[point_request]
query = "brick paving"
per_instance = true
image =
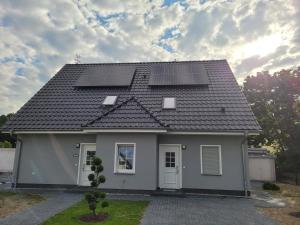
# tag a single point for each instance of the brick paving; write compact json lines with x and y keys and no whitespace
{"x":203,"y":211}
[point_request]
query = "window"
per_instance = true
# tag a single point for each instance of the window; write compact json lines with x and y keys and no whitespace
{"x":89,"y":157}
{"x":211,"y":159}
{"x":169,"y":103}
{"x":170,"y":159}
{"x":125,"y":158}
{"x":110,"y":100}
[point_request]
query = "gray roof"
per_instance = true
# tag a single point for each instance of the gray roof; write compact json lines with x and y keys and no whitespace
{"x":128,"y":114}
{"x":59,"y":105}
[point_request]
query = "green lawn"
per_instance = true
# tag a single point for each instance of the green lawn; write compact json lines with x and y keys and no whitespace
{"x":119,"y":211}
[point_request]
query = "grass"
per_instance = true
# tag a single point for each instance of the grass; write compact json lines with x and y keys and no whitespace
{"x":11,"y":202}
{"x":119,"y":211}
{"x":291,"y":194}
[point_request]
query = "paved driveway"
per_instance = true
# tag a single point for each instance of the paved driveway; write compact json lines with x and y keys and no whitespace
{"x":203,"y":211}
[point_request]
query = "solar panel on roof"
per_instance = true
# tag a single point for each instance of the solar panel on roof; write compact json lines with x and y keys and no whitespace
{"x":106,"y":76}
{"x":178,"y":74}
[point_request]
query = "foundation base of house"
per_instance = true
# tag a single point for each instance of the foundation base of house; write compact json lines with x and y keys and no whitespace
{"x":184,"y":192}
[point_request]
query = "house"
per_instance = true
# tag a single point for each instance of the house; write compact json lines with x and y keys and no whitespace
{"x":261,"y":165}
{"x":156,"y":125}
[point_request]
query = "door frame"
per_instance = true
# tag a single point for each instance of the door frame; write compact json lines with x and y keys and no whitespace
{"x":179,"y":184}
{"x":79,"y":160}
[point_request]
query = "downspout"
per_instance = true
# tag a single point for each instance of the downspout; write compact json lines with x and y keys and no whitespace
{"x":17,"y":161}
{"x":245,"y":174}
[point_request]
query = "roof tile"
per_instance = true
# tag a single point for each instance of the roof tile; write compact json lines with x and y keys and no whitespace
{"x":61,"y":106}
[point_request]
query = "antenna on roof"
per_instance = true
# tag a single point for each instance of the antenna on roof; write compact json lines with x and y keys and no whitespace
{"x":175,"y":60}
{"x":77,"y":59}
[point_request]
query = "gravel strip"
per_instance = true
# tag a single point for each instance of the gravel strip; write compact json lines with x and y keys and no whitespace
{"x":56,"y":202}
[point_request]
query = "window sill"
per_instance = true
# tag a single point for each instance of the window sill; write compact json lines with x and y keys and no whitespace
{"x":124,"y":172}
{"x":206,"y":174}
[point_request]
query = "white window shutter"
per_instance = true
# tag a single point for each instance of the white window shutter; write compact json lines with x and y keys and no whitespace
{"x":211,"y":160}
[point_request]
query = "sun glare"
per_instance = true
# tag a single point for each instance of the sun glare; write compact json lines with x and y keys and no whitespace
{"x":262,"y":46}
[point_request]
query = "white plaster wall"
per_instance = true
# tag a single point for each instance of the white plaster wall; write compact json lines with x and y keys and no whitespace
{"x":262,"y":169}
{"x":7,"y":156}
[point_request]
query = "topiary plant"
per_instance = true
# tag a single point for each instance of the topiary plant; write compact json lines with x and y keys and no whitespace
{"x":95,"y":195}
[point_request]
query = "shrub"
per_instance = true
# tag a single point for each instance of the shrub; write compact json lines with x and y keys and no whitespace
{"x":271,"y":186}
{"x":5,"y":144}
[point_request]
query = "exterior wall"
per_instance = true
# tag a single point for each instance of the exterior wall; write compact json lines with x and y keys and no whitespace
{"x":49,"y":158}
{"x":262,"y":169}
{"x":145,"y":177}
{"x":232,"y":177}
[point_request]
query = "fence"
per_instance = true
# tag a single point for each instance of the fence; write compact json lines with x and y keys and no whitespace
{"x":7,"y":156}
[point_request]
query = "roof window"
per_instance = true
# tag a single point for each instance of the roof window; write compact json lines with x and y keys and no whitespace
{"x":110,"y":100}
{"x":169,"y":103}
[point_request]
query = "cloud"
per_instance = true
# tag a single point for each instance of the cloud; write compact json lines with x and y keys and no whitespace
{"x":256,"y":23}
{"x":274,"y":60}
{"x":38,"y":37}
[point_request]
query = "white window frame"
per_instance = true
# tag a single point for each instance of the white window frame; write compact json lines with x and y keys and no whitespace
{"x":124,"y":171}
{"x":220,"y":161}
{"x":165,"y":98}
{"x":110,"y":96}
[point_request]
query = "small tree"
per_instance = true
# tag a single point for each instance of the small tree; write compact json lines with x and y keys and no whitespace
{"x":94,"y":196}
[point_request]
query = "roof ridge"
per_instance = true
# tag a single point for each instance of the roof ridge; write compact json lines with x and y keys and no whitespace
{"x":123,"y":103}
{"x":150,"y":62}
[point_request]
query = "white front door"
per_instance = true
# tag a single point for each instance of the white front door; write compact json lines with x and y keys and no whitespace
{"x":88,"y":151}
{"x":170,"y":166}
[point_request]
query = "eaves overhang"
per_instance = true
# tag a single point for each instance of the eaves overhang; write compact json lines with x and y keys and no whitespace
{"x":162,"y":131}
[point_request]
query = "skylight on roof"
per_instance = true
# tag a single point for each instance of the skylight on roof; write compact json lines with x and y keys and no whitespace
{"x":169,"y":103}
{"x":110,"y":100}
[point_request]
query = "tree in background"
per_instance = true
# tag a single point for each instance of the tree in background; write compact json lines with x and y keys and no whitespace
{"x":4,"y":118}
{"x":275,"y":100}
{"x":4,"y":138}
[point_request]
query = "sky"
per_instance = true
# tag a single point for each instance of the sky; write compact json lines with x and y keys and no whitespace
{"x":38,"y":37}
